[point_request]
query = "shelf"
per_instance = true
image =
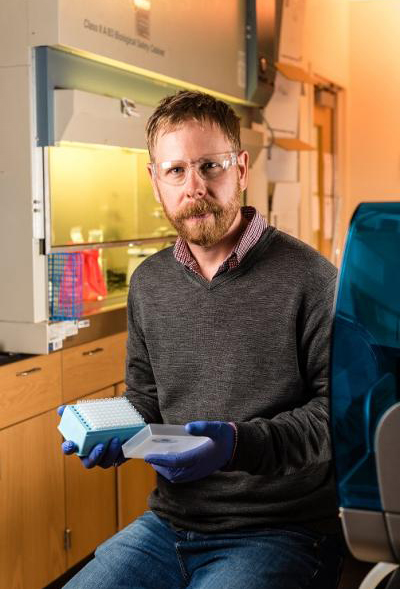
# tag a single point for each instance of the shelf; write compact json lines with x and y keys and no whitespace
{"x":297,"y":74}
{"x":292,"y":144}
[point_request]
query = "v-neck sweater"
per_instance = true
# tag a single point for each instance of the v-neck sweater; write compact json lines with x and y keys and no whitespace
{"x":250,"y":347}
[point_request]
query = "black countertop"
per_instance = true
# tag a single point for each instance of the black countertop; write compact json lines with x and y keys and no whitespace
{"x":9,"y":357}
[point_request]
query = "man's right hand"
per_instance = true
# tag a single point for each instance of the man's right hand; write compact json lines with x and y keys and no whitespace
{"x":103,"y":455}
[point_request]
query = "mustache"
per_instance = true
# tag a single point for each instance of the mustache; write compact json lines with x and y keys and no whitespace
{"x":200,"y":207}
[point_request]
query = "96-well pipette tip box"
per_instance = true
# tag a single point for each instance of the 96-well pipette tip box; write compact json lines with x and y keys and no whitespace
{"x":90,"y":422}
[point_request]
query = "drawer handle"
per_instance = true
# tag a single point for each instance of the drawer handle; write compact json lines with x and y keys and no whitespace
{"x":92,"y":352}
{"x":28,"y":372}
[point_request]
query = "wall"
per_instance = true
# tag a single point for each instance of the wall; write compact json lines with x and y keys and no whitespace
{"x":326,"y":39}
{"x":325,"y":54}
{"x":356,"y":44}
{"x":374,"y":113}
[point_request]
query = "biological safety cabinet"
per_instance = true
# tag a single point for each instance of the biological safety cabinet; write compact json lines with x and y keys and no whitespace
{"x":78,"y":80}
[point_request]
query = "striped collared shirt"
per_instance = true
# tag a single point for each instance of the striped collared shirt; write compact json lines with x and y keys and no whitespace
{"x":247,"y":240}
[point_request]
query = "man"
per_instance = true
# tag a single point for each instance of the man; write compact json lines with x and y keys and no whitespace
{"x":228,"y":334}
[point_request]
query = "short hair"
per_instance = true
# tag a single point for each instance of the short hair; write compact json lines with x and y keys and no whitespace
{"x":188,"y":105}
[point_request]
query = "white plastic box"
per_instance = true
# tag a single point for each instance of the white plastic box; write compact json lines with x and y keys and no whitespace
{"x":158,"y":438}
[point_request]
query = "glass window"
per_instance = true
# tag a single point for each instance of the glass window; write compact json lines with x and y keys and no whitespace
{"x":94,"y":280}
{"x":102,"y":193}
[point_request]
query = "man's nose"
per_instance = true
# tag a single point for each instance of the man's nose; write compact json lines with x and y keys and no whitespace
{"x":195,"y":187}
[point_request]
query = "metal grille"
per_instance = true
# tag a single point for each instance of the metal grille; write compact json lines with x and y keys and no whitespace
{"x":65,"y":271}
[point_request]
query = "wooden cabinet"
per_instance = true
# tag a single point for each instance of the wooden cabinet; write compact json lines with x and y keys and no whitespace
{"x":94,"y":366}
{"x":53,"y":511}
{"x":31,"y":503}
{"x":91,"y":511}
{"x":136,"y":480}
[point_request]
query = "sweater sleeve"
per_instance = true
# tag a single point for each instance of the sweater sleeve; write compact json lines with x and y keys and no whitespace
{"x":297,"y":439}
{"x":141,"y":386}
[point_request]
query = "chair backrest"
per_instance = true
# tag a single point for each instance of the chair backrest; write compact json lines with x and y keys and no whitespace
{"x":381,"y":396}
{"x":365,"y":383}
{"x":365,"y":353}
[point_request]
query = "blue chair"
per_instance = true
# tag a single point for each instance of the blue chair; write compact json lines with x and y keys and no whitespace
{"x":365,"y":390}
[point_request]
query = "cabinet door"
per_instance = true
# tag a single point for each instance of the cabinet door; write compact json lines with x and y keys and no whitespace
{"x":31,"y":504}
{"x":136,"y":480}
{"x":93,"y":366}
{"x":90,"y":503}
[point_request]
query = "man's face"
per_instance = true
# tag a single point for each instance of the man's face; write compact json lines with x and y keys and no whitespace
{"x":201,"y":210}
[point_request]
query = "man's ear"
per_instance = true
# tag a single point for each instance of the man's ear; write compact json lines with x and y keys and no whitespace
{"x":243,"y":168}
{"x":153,"y":183}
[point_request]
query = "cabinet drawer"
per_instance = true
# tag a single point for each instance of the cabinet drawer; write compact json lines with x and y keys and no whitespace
{"x":93,"y":366}
{"x":29,"y":387}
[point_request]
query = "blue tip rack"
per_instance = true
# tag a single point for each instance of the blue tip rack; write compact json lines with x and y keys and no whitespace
{"x":91,"y":422}
{"x":65,"y":273}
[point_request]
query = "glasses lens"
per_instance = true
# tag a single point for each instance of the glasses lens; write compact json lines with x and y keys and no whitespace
{"x":208,"y":168}
{"x":213,"y":167}
{"x":172,"y":172}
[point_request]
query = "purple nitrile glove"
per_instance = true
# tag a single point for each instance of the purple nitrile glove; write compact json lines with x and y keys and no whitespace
{"x":200,"y":462}
{"x":103,"y":455}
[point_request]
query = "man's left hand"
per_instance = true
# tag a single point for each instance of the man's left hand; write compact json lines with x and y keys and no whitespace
{"x":202,"y":461}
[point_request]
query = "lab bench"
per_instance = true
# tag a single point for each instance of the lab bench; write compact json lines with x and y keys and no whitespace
{"x":53,"y":511}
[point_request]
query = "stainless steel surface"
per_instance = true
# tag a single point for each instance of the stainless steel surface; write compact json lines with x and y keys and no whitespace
{"x":100,"y":325}
{"x":170,"y":239}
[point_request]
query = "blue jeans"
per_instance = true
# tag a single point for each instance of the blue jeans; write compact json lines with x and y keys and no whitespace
{"x":150,"y":554}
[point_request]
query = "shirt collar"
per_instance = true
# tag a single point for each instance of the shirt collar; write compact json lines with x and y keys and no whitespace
{"x":248,"y":239}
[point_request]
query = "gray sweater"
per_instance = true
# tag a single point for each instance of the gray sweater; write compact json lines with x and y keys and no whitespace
{"x":252,"y":347}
